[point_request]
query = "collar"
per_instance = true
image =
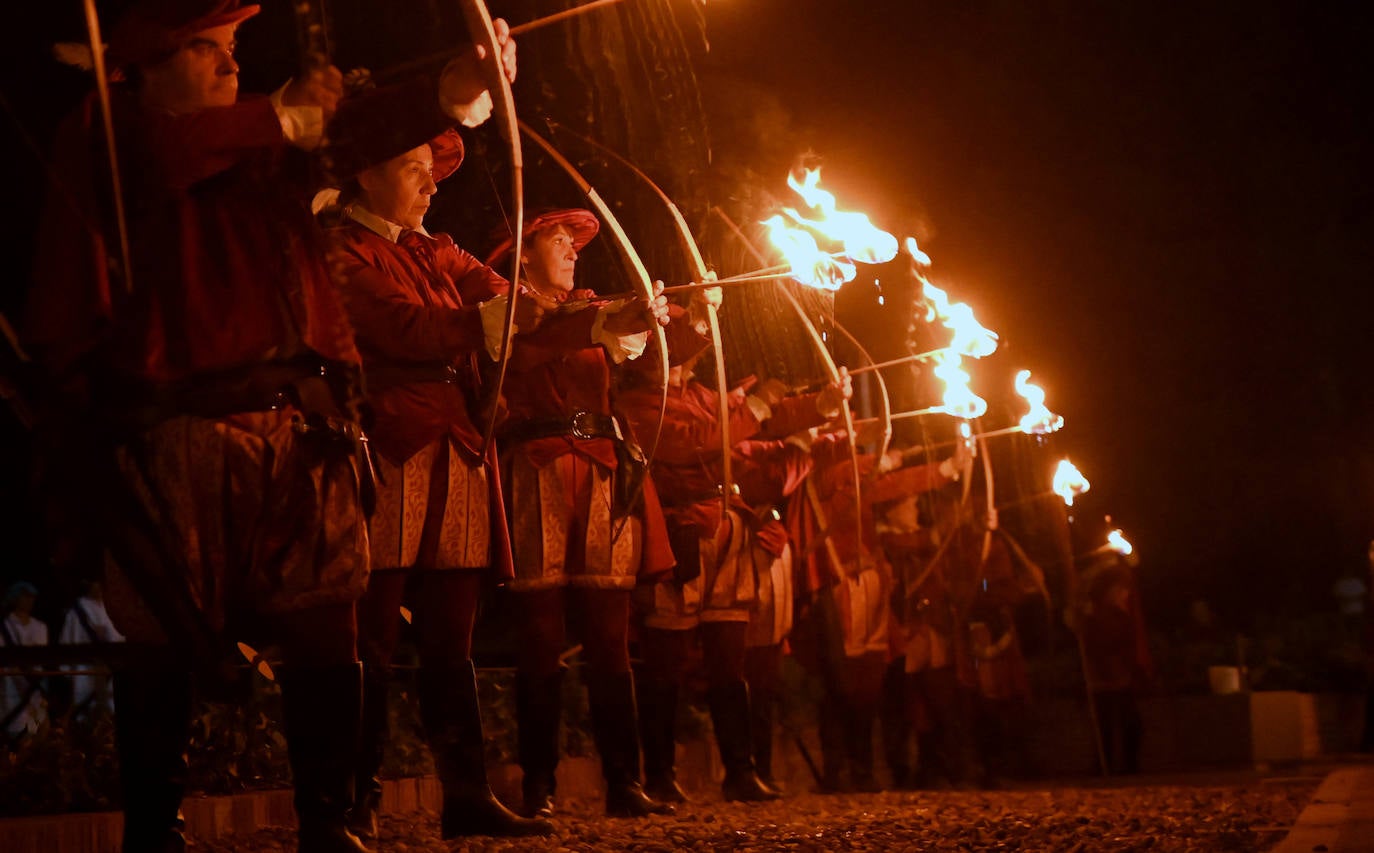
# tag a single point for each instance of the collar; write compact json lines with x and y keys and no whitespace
{"x":377,"y":225}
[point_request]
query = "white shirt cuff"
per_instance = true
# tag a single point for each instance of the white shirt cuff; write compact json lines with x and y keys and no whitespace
{"x":761,"y":410}
{"x":468,"y":115}
{"x":620,"y":348}
{"x":493,"y":314}
{"x":302,"y":126}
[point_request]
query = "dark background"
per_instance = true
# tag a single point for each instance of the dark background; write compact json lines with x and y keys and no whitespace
{"x":1164,"y":209}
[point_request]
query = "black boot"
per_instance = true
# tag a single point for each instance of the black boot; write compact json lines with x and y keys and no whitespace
{"x":615,"y":727}
{"x":859,"y":748}
{"x":761,"y":707}
{"x":730,"y":718}
{"x":152,"y":728}
{"x":657,"y":732}
{"x":452,"y":717}
{"x":831,"y":731}
{"x":367,"y":786}
{"x":538,"y":712}
{"x":322,"y":707}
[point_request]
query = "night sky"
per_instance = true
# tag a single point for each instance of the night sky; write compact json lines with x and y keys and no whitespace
{"x":1164,"y":209}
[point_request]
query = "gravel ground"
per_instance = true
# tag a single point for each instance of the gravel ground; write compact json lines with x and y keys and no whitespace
{"x":1169,"y":818}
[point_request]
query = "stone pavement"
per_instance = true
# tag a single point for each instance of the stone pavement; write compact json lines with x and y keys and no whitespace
{"x":1340,"y":818}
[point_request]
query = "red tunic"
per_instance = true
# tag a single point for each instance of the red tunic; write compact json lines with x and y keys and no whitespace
{"x":415,"y":301}
{"x":227,"y":263}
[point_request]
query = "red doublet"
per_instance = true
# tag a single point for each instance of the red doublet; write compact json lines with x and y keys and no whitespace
{"x":415,"y":302}
{"x":227,"y":267}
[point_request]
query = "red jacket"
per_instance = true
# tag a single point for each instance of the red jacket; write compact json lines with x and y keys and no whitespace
{"x":415,"y":301}
{"x":227,"y":262}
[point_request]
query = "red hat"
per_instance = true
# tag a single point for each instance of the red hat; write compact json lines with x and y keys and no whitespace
{"x":152,"y":30}
{"x":580,"y":223}
{"x":374,"y":126}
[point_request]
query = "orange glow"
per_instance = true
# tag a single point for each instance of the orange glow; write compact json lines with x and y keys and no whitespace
{"x":810,"y":265}
{"x":1069,"y":483}
{"x":1117,"y":542}
{"x":958,"y":399}
{"x":921,"y":258}
{"x":862,"y":240}
{"x":971,"y":338}
{"x":1039,"y":420}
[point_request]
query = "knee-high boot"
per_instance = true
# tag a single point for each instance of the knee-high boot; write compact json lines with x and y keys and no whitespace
{"x":762,"y":706}
{"x":859,"y":747}
{"x":452,"y":716}
{"x":730,"y":718}
{"x":367,"y":785}
{"x":322,"y":706}
{"x":658,"y":731}
{"x":615,"y":727}
{"x":152,"y":727}
{"x":538,"y":712}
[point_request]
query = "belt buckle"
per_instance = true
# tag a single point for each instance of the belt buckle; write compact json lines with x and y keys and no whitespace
{"x":578,"y":430}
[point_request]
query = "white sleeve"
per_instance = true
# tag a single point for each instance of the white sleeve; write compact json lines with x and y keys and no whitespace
{"x":468,"y":115}
{"x":621,"y":348}
{"x":303,"y":127}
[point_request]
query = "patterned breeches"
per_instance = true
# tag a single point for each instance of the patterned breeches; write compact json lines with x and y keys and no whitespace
{"x":725,"y":589}
{"x":432,"y":512}
{"x":255,"y":517}
{"x":563,"y":531}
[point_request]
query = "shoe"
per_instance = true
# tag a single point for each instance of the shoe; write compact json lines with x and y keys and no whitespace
{"x":538,"y":712}
{"x":615,"y":728}
{"x":729,"y":705}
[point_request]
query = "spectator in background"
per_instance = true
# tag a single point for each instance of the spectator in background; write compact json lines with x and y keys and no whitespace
{"x":88,"y":623}
{"x":1118,"y":665}
{"x":23,"y":707}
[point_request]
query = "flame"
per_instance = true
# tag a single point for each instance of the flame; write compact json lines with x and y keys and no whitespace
{"x":810,"y":265}
{"x":921,"y":258}
{"x":1117,"y":542}
{"x":971,"y":338}
{"x":958,"y":399}
{"x":1069,"y":483}
{"x":1039,"y":420}
{"x":863,"y":241}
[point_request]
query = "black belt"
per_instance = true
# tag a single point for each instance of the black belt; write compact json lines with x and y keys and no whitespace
{"x":257,"y":388}
{"x":383,"y":376}
{"x":578,"y":425}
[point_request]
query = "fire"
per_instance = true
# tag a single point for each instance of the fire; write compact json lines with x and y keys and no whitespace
{"x":921,"y":258}
{"x":862,"y":240}
{"x":1069,"y":483}
{"x":1039,"y":420}
{"x":1116,"y":541}
{"x":810,"y":265}
{"x":971,"y":338}
{"x":958,"y":399}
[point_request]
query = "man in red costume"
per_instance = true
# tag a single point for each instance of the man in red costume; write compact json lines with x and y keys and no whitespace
{"x":714,"y":589}
{"x":215,"y":374}
{"x":846,"y":584}
{"x":579,"y":550}
{"x":425,"y":312}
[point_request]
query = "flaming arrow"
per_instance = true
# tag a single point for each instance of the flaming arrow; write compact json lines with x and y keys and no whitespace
{"x":831,"y":369}
{"x":641,"y":277}
{"x":703,"y":274}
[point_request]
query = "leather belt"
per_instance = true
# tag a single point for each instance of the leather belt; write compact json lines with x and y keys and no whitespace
{"x":383,"y":376}
{"x":578,"y":425}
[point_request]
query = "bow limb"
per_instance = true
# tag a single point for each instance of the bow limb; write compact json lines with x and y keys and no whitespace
{"x":831,"y":368}
{"x":639,"y":273}
{"x":846,"y":413}
{"x":483,"y":33}
{"x":701,"y":272}
{"x":883,"y":395}
{"x":102,"y":88}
